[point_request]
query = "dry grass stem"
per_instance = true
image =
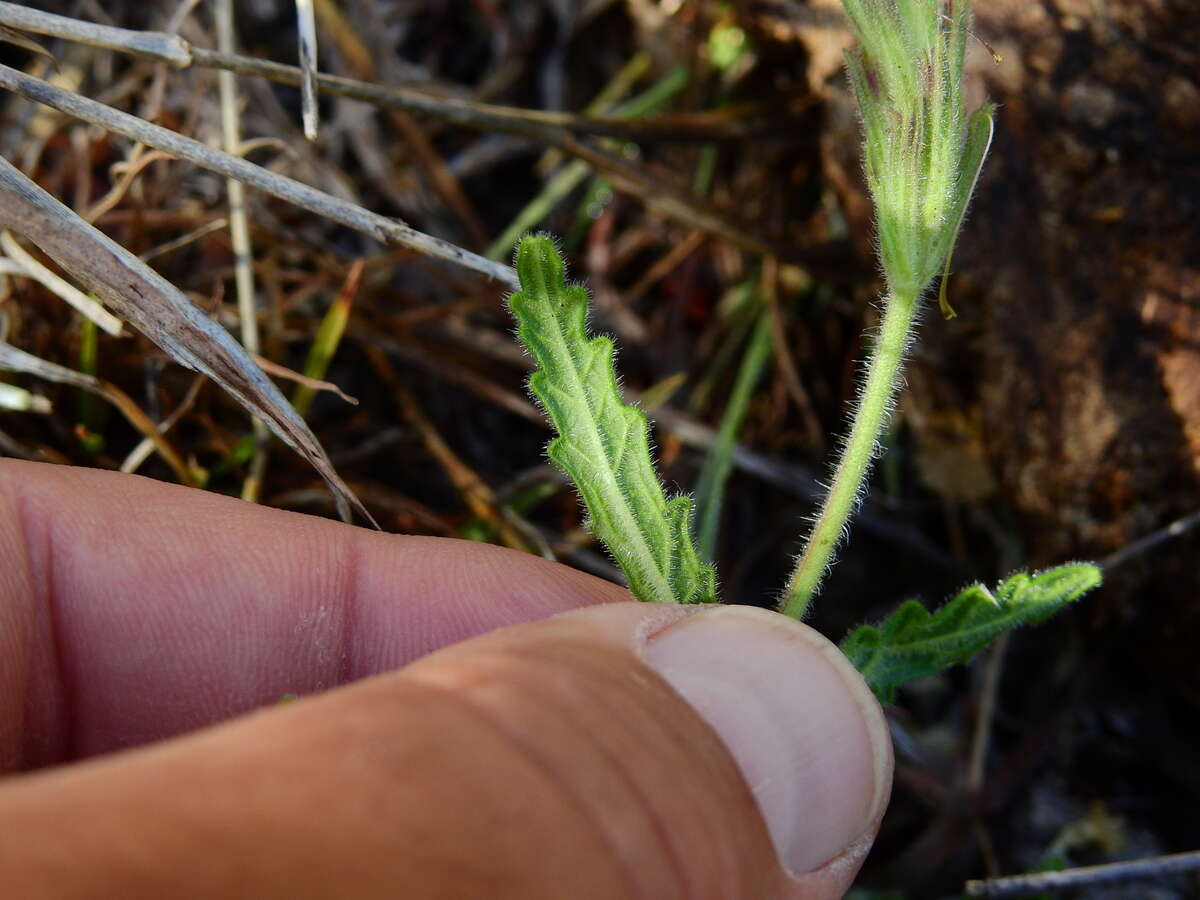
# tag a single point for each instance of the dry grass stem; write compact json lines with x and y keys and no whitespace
{"x":17,"y":360}
{"x":155,"y":45}
{"x":155,"y":307}
{"x":142,"y":451}
{"x":318,"y":202}
{"x":315,"y":384}
{"x":239,"y":235}
{"x":306,"y":26}
{"x":24,"y":264}
{"x":541,"y":125}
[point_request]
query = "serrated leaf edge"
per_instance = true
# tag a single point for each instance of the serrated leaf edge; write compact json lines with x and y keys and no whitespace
{"x":867,"y":644}
{"x":603,"y":443}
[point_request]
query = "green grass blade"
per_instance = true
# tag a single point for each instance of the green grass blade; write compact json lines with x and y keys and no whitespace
{"x":574,"y":173}
{"x":602,"y":443}
{"x":913,"y":643}
{"x":89,"y":364}
{"x":328,"y":337}
{"x":710,"y":489}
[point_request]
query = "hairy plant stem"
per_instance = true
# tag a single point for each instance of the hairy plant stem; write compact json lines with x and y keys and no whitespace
{"x":870,"y":416}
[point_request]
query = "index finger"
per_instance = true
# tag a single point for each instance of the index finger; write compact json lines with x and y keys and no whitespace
{"x":132,"y":610}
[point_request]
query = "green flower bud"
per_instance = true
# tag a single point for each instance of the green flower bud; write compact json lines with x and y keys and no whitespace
{"x":923,"y":154}
{"x":923,"y":157}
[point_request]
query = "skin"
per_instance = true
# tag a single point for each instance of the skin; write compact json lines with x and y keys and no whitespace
{"x":442,"y":748}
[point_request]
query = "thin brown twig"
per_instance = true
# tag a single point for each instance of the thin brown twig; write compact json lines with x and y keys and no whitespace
{"x":667,"y":264}
{"x":987,"y":847}
{"x":992,"y":668}
{"x":553,"y":128}
{"x":540,"y":125}
{"x":475,"y":492}
{"x":1042,"y":882}
{"x":11,"y":36}
{"x":126,"y":171}
{"x":785,"y":360}
{"x":317,"y":384}
{"x":1143,"y":545}
{"x":432,"y":312}
{"x":409,"y":511}
{"x":441,"y":177}
{"x":672,"y":199}
{"x":517,"y":404}
{"x":546,"y":126}
{"x":139,"y":454}
{"x":183,"y":240}
{"x":318,"y":202}
{"x":156,"y":45}
{"x":18,"y":360}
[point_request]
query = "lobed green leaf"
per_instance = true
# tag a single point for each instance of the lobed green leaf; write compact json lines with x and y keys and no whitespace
{"x":911,"y":643}
{"x":603,"y":444}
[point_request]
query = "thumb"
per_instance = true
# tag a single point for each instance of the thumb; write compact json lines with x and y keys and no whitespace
{"x":656,"y":797}
{"x":553,"y":759}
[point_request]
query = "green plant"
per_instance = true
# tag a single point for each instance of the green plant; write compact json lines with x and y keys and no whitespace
{"x":602,"y":443}
{"x":911,"y":643}
{"x":923,"y":157}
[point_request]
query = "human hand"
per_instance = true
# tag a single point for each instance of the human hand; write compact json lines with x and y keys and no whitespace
{"x":554,"y":758}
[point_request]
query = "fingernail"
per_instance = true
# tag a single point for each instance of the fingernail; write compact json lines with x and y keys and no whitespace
{"x":802,"y":725}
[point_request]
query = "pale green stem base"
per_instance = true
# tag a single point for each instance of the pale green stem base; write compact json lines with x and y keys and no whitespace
{"x":874,"y":404}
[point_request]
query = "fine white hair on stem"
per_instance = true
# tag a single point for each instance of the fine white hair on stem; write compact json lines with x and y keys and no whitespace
{"x":872,"y":409}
